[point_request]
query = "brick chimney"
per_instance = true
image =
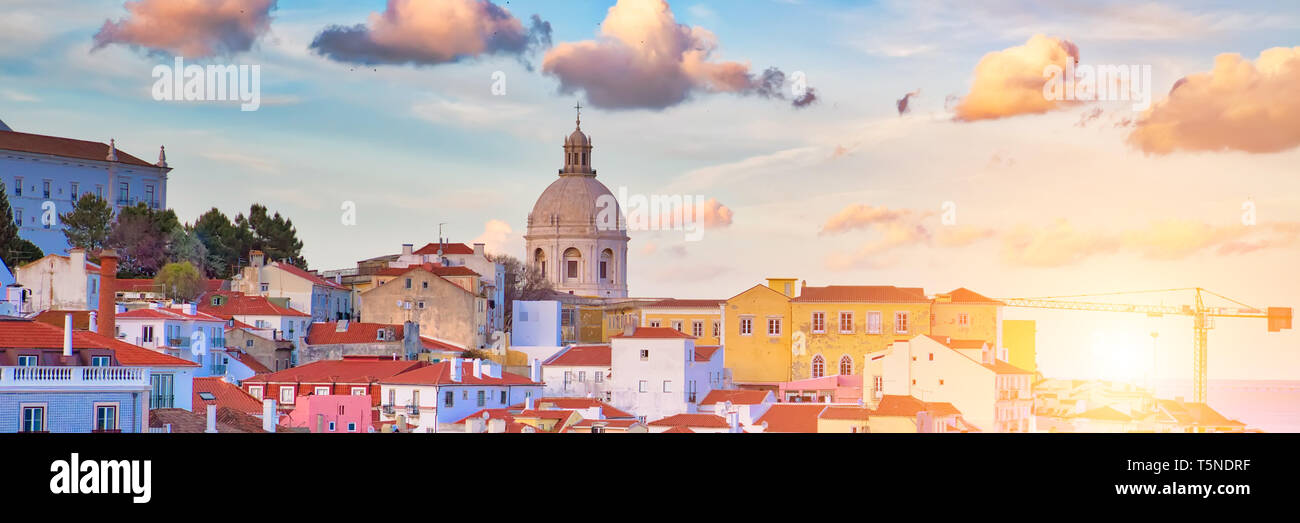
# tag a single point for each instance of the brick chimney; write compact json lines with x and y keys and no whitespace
{"x":108,"y":293}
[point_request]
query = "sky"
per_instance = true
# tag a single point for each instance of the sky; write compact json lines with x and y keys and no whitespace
{"x":421,"y":113}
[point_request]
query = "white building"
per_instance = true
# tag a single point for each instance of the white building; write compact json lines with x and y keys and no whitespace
{"x":324,"y":300}
{"x":432,"y":398}
{"x":582,"y":371}
{"x":991,"y":394}
{"x":269,"y":320}
{"x":180,"y":331}
{"x":749,"y":405}
{"x":57,"y":282}
{"x":39,"y":171}
{"x":658,"y":372}
{"x":535,"y":329}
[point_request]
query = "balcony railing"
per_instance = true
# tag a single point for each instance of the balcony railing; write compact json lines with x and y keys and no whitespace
{"x":413,"y":410}
{"x":217,"y":370}
{"x":162,"y":401}
{"x":178,"y":343}
{"x":72,"y":377}
{"x":389,"y":410}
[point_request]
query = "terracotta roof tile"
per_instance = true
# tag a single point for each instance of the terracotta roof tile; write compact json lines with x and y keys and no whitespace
{"x":706,"y":352}
{"x":655,"y":333}
{"x":170,"y":313}
{"x":328,"y":334}
{"x":224,"y":395}
{"x":863,"y":293}
{"x":64,"y":147}
{"x":440,"y":374}
{"x":792,"y":417}
{"x":240,"y":304}
{"x":309,"y":276}
{"x":673,"y":303}
{"x":735,"y":396}
{"x":680,"y":429}
{"x":577,"y":404}
{"x":338,"y":371}
{"x":964,"y":295}
{"x":447,"y":248}
{"x":581,"y":356}
{"x":692,"y":420}
{"x":845,"y":413}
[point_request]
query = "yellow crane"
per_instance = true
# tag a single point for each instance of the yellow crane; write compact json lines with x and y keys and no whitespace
{"x":1202,"y":319}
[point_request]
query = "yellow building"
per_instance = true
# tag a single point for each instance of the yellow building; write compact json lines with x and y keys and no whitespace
{"x":964,"y":314}
{"x":756,"y":333}
{"x":699,"y":318}
{"x":837,"y":419}
{"x":1020,"y":338}
{"x":838,"y":326}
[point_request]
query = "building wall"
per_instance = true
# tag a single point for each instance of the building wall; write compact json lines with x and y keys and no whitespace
{"x":758,"y":358}
{"x":387,"y":349}
{"x":356,"y":409}
{"x":62,"y":173}
{"x":279,"y":284}
{"x":859,"y":345}
{"x":264,"y":350}
{"x":182,"y":385}
{"x":983,"y":324}
{"x":1020,"y":339}
{"x":535,"y":323}
{"x":451,"y":313}
{"x":892,"y":425}
{"x":908,"y":370}
{"x":669,"y":360}
{"x":687,"y":318}
{"x":434,"y":409}
{"x":59,"y":283}
{"x":72,"y":412}
{"x":842,"y":426}
{"x":555,"y":384}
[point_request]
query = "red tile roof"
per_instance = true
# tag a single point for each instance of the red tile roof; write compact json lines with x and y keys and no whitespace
{"x":964,"y":295}
{"x":185,"y":422}
{"x":966,"y":344}
{"x":706,"y":352}
{"x":581,"y":356}
{"x":792,"y":417}
{"x":908,"y":406}
{"x":1002,"y":367}
{"x":131,"y":355}
{"x":447,"y":248}
{"x":171,"y":313}
{"x":735,"y":396}
{"x":240,"y":304}
{"x":440,"y":270}
{"x":64,"y":147}
{"x":440,"y":374}
{"x":328,"y":333}
{"x":224,"y":395}
{"x":621,"y":423}
{"x":439,"y":345}
{"x":338,"y":371}
{"x":249,"y":361}
{"x":492,"y":414}
{"x":309,"y":276}
{"x":578,"y":404}
{"x":692,"y":420}
{"x":680,"y":429}
{"x":863,"y":293}
{"x":655,"y":333}
{"x":673,"y":303}
{"x":845,"y":413}
{"x":27,"y":334}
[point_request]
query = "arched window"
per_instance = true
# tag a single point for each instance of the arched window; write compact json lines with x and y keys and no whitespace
{"x":606,"y":269}
{"x":846,"y":365}
{"x":572,"y":264}
{"x":818,"y":366}
{"x":539,"y":261}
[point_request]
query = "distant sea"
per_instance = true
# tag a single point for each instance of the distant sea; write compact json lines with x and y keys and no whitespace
{"x":1268,"y":405}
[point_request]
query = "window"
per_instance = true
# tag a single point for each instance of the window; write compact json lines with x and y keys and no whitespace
{"x":45,"y":189}
{"x":352,"y":427}
{"x":717,"y":329}
{"x":105,"y":417}
{"x":878,"y":384}
{"x":568,"y":378}
{"x":819,"y":322}
{"x":321,"y":391}
{"x":99,"y":361}
{"x":677,"y":325}
{"x":482,"y":398}
{"x":27,"y":361}
{"x":420,"y":305}
{"x":598,"y":377}
{"x":774,"y":326}
{"x":162,"y":395}
{"x":900,"y":322}
{"x":449,"y":399}
{"x":266,"y":287}
{"x":846,"y":365}
{"x":255,"y":391}
{"x":668,"y":386}
{"x":503,"y":397}
{"x":818,"y":366}
{"x":645,"y":354}
{"x":286,"y":395}
{"x":18,"y":186}
{"x":123,"y":191}
{"x":931,"y":356}
{"x":331,"y":426}
{"x":604,"y":274}
{"x":697,"y":329}
{"x":873,"y":322}
{"x":643,"y":385}
{"x":358,"y":391}
{"x":654,"y":323}
{"x":18,"y":217}
{"x":33,"y":418}
{"x":571,"y":269}
{"x":963,"y":319}
{"x":846,"y":322}
{"x":941,"y":381}
{"x":746,"y":326}
{"x":582,"y":376}
{"x":408,"y":283}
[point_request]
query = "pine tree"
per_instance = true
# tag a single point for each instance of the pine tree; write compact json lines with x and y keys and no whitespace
{"x":14,"y":250}
{"x":88,"y":224}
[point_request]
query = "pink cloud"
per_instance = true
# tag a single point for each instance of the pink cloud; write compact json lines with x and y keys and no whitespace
{"x":1237,"y":106}
{"x":189,"y":28}
{"x":1010,"y":82}
{"x":430,"y":33}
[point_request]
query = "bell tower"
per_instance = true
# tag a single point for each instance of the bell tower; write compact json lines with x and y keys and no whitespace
{"x":577,"y":150}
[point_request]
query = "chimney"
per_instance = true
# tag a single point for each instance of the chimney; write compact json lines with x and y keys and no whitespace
{"x":269,"y":415}
{"x":478,"y":369}
{"x":77,"y":258}
{"x":480,"y":249}
{"x":496,"y":425}
{"x":190,"y":309}
{"x":94,"y":317}
{"x":629,"y":330}
{"x":733,"y":419}
{"x":407,"y":249}
{"x":212,"y":419}
{"x":256,"y":258}
{"x":108,"y":293}
{"x":536,"y":374}
{"x":67,"y":335}
{"x":455,"y":370}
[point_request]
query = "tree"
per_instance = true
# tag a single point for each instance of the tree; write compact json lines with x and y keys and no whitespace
{"x":89,"y":223}
{"x":183,"y":245}
{"x":271,"y":234}
{"x":180,"y":281}
{"x":141,"y":246}
{"x":475,"y":354}
{"x":14,"y":250}
{"x":522,"y":282}
{"x":219,"y":237}
{"x":21,"y":251}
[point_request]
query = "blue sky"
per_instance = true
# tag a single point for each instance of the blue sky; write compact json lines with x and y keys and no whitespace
{"x":415,"y":146}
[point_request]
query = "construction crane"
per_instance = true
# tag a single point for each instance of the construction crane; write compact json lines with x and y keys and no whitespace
{"x":1203,"y":316}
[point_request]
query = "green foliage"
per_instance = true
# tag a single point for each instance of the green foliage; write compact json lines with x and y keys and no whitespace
{"x":271,"y":234}
{"x":21,"y":251}
{"x":89,"y":223}
{"x":184,"y":246}
{"x":180,"y":281}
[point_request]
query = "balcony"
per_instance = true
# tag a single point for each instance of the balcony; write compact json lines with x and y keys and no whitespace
{"x":217,"y":370}
{"x":413,"y":410}
{"x":71,"y":378}
{"x":178,"y":343}
{"x":389,"y":410}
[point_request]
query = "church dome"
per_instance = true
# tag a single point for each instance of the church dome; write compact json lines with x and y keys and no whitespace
{"x":573,"y":201}
{"x":577,"y":139}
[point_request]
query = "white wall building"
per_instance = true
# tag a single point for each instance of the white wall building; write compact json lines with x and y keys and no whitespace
{"x":991,"y":394}
{"x":656,"y":372}
{"x":434,"y":397}
{"x":581,"y":371}
{"x":56,"y":282}
{"x":324,"y":300}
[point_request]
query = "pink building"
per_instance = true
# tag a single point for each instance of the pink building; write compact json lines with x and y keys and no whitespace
{"x":331,"y":413}
{"x":827,"y":389}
